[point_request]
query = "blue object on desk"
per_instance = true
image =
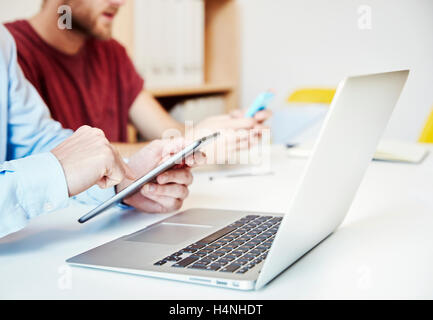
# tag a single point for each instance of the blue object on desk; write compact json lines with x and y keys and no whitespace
{"x":260,"y":103}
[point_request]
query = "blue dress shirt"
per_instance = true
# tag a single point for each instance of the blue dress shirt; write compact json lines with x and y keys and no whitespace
{"x":31,"y":178}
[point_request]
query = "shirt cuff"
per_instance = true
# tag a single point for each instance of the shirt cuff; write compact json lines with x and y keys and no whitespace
{"x":95,"y":195}
{"x":42,"y":185}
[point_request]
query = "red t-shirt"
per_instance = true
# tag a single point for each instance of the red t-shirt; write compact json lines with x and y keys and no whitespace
{"x":94,"y":87}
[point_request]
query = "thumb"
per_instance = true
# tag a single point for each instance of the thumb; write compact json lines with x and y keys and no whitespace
{"x":129,"y":173}
{"x":238,"y":113}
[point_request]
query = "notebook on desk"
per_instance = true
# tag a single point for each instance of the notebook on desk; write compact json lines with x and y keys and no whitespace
{"x":387,"y":150}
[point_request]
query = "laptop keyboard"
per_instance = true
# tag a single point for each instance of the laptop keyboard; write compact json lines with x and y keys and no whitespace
{"x":236,"y":248}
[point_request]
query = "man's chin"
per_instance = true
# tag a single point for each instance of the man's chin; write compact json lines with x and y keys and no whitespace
{"x":102,"y":30}
{"x":102,"y":35}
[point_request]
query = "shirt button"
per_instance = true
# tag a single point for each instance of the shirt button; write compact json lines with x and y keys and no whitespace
{"x":48,"y":206}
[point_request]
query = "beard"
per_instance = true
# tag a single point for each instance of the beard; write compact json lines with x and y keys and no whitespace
{"x":84,"y":22}
{"x":91,"y":29}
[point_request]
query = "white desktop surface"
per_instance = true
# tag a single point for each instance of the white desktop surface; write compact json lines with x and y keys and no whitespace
{"x":384,"y":248}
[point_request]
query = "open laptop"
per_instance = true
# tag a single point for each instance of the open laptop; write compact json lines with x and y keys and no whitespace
{"x":246,"y":250}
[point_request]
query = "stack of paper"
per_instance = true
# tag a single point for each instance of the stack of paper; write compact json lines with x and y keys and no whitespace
{"x":169,"y":42}
{"x":387,"y":150}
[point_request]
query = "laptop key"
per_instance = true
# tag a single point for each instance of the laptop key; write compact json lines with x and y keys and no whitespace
{"x":243,"y":270}
{"x":242,"y":251}
{"x":173,"y":258}
{"x":242,"y":261}
{"x":206,"y":250}
{"x":160,"y":263}
{"x":223,"y":261}
{"x":244,"y":239}
{"x":197,"y":246}
{"x":197,"y":266}
{"x":213,"y":267}
{"x":257,"y":260}
{"x":185,"y":262}
{"x":216,"y":235}
{"x":212,"y":247}
{"x":249,"y":256}
{"x":236,"y":253}
{"x":237,"y":242}
{"x":227,"y":239}
{"x":256,"y":252}
{"x":231,"y":267}
{"x":236,"y":225}
{"x":218,"y":253}
{"x":204,"y":261}
{"x":200,"y":254}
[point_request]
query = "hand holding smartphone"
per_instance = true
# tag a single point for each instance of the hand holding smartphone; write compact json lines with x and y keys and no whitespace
{"x":261,"y":103}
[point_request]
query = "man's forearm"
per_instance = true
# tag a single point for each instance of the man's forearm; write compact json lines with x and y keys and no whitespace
{"x":126,"y":150}
{"x":152,"y":120}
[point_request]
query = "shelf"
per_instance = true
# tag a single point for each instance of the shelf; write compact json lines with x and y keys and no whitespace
{"x":221,"y":55}
{"x":191,"y":90}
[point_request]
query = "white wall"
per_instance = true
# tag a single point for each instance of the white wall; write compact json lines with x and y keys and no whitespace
{"x":294,"y":43}
{"x":17,"y":9}
{"x":288,"y":44}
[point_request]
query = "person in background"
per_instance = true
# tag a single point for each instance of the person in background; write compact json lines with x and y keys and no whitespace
{"x":42,"y":165}
{"x":86,"y":77}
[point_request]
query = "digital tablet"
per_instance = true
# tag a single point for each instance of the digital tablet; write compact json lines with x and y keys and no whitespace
{"x":148,"y":177}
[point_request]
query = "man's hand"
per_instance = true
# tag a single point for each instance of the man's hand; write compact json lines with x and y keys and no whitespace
{"x":238,"y":131}
{"x":170,"y":189}
{"x":259,"y":117}
{"x":88,"y":158}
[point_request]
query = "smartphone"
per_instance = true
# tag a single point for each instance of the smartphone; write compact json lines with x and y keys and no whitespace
{"x":148,"y":177}
{"x":261,"y":103}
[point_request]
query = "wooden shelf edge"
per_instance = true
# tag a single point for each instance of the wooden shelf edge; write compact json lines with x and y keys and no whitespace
{"x":190,"y":90}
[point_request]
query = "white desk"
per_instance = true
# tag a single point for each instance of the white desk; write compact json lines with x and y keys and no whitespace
{"x":384,"y":249}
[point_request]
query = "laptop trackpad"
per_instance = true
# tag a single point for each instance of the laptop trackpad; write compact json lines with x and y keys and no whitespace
{"x":170,"y":234}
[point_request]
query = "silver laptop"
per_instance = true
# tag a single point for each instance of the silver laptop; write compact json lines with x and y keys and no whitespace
{"x":246,"y":250}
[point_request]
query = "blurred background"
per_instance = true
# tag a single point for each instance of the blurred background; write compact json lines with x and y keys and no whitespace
{"x":229,"y":51}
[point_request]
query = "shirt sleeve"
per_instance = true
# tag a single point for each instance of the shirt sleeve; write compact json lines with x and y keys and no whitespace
{"x":30,"y":126}
{"x":30,"y":186}
{"x":95,"y":195}
{"x":32,"y":180}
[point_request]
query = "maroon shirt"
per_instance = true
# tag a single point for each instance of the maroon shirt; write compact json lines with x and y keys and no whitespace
{"x":94,"y":87}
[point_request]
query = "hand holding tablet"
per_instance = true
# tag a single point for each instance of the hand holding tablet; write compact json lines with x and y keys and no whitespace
{"x":172,"y":161}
